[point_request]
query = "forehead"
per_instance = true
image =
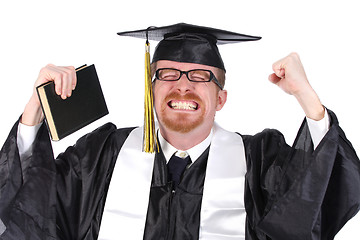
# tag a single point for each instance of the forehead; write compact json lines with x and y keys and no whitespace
{"x":182,"y":65}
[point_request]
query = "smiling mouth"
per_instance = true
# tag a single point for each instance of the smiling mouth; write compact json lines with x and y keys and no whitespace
{"x":183,"y":105}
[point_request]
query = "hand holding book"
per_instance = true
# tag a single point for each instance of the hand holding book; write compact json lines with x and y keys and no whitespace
{"x":67,"y":108}
{"x":65,"y":81}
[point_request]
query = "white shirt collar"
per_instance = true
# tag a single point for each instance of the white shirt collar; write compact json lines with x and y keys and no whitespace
{"x":193,"y":152}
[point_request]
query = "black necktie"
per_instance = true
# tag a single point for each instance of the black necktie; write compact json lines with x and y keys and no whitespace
{"x":176,"y":168}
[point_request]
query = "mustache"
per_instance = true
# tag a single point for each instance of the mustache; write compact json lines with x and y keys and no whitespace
{"x":188,"y":96}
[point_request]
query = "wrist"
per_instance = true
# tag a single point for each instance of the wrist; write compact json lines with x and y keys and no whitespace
{"x":32,"y":114}
{"x":311,"y":105}
{"x":316,"y":113}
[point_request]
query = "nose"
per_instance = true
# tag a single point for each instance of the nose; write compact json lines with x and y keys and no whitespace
{"x":183,"y":84}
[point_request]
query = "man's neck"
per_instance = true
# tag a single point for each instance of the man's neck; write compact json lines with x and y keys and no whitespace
{"x":185,"y":141}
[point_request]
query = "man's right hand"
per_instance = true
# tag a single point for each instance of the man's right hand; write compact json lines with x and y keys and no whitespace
{"x":65,"y":81}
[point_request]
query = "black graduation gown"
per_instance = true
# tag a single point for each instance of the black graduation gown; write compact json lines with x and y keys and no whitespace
{"x":168,"y":209}
{"x":42,"y":200}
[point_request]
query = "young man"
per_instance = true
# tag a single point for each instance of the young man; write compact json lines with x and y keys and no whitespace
{"x":203,"y":183}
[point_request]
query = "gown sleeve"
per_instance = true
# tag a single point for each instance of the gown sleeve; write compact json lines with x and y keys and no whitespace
{"x":58,"y":198}
{"x":296,"y":192}
{"x":27,"y":195}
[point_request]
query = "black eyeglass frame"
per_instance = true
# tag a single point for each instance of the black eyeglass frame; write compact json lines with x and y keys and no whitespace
{"x":211,"y":78}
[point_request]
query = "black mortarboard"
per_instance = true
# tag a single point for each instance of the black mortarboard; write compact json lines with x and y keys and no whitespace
{"x":189,"y":43}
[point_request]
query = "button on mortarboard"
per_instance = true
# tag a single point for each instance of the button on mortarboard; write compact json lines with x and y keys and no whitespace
{"x":189,"y":43}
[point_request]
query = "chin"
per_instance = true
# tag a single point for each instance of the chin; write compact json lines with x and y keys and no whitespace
{"x":182,"y":124}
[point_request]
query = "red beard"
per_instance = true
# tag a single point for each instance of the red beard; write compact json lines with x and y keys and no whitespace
{"x":181,"y":121}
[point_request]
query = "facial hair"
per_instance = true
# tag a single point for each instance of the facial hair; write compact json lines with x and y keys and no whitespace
{"x":181,"y":121}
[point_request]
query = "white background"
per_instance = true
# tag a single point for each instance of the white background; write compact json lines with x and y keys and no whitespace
{"x":324,"y":33}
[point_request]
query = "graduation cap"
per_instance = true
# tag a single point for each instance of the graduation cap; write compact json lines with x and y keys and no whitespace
{"x":181,"y":43}
{"x":189,"y":43}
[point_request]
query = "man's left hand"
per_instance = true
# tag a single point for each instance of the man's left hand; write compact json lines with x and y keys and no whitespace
{"x":290,"y":76}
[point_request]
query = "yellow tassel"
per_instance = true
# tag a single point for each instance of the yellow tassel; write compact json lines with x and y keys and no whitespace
{"x":149,"y":123}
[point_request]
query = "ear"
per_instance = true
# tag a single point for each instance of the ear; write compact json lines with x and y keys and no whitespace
{"x":221,"y":99}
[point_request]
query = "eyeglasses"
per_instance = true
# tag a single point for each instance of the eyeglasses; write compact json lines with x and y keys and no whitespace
{"x":195,"y":75}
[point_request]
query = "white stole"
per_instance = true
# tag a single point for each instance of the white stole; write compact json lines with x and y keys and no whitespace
{"x":222,"y":214}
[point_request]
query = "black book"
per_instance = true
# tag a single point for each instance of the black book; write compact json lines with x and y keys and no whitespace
{"x":86,"y":104}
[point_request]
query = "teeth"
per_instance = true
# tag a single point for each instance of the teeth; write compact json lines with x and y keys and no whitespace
{"x":183,"y":105}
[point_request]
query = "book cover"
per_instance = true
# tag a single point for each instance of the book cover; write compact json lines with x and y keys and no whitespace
{"x":86,"y":104}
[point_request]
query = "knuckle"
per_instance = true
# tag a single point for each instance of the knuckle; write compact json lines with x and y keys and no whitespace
{"x":44,"y":69}
{"x":70,"y":72}
{"x":294,"y":55}
{"x":57,"y":75}
{"x":69,"y":69}
{"x":47,"y":68}
{"x":66,"y":71}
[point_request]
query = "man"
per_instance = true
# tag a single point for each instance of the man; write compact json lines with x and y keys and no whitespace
{"x":230,"y":186}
